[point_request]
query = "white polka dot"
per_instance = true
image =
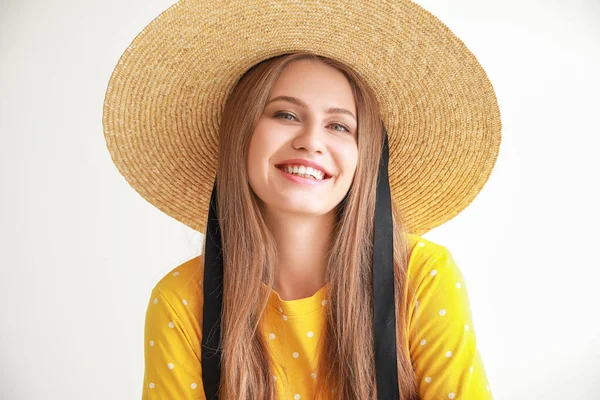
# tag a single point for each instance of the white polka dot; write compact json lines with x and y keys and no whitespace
{"x":423,"y":341}
{"x":274,"y":378}
{"x":184,"y":301}
{"x":194,"y":385}
{"x":285,"y":317}
{"x":155,"y":300}
{"x":324,"y":303}
{"x":433,"y":272}
{"x":296,"y":396}
{"x":448,"y":354}
{"x":471,"y":370}
{"x":421,"y":244}
{"x":280,"y":310}
{"x":151,"y":385}
{"x":170,"y":365}
{"x":313,"y":375}
{"x":295,"y":355}
{"x":152,"y":343}
{"x":171,"y":324}
{"x":451,"y":395}
{"x":175,"y":273}
{"x":442,"y":312}
{"x":466,"y":327}
{"x":271,"y":336}
{"x":310,"y":334}
{"x":458,"y":285}
{"x":428,"y":379}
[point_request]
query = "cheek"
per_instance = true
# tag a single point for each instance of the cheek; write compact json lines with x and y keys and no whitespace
{"x":349,"y":157}
{"x":261,"y":150}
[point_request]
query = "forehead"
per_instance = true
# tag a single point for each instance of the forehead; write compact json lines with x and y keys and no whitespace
{"x":315,"y":83}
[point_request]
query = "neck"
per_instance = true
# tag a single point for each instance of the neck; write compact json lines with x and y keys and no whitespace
{"x":302,"y":243}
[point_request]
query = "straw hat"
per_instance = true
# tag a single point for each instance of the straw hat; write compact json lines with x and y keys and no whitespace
{"x":166,"y":95}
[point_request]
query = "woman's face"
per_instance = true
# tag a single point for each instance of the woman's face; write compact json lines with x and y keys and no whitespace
{"x":288,"y":130}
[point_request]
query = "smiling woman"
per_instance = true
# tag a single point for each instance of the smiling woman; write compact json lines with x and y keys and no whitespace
{"x":301,"y":212}
{"x":311,"y":257}
{"x":314,"y":282}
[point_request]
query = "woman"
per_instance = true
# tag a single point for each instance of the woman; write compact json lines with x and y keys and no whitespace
{"x":293,"y":249}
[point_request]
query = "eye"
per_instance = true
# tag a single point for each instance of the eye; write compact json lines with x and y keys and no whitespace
{"x":293,"y":117}
{"x":347,"y":130}
{"x":283,"y":113}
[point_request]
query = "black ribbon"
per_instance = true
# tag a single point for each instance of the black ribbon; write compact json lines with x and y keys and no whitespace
{"x":383,"y":293}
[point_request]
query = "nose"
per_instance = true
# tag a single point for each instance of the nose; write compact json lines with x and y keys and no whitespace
{"x":310,"y":137}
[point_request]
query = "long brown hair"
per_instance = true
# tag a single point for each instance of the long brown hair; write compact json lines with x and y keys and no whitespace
{"x":346,"y":366}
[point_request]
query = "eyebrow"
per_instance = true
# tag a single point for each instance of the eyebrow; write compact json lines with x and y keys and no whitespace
{"x":330,"y":110}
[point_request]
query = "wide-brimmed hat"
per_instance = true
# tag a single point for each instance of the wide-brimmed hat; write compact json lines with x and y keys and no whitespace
{"x":166,"y":96}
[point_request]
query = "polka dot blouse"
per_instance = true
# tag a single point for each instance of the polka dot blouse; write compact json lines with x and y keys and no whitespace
{"x":441,"y":340}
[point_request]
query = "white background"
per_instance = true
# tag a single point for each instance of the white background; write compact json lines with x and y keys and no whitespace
{"x":81,"y":250}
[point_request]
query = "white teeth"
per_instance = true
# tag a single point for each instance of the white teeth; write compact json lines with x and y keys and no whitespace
{"x":303,"y":170}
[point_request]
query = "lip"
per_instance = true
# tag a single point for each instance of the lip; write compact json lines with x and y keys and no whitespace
{"x":304,"y":181}
{"x":305,"y":162}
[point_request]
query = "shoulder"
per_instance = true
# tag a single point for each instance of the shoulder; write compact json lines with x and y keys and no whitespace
{"x":184,"y":277}
{"x":181,"y":288}
{"x":433,"y":274}
{"x":424,"y":248}
{"x":424,"y":255}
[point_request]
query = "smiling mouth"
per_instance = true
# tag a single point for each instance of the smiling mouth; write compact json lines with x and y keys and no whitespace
{"x":308,"y":177}
{"x":325,"y":175}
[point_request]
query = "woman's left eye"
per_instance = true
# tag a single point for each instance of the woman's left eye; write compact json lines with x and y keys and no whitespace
{"x":288,"y":114}
{"x":346,"y":129}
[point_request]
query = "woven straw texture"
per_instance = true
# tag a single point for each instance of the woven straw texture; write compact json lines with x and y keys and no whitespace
{"x":165,"y":97}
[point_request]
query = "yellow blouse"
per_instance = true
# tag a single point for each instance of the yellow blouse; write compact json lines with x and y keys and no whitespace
{"x":442,"y":339}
